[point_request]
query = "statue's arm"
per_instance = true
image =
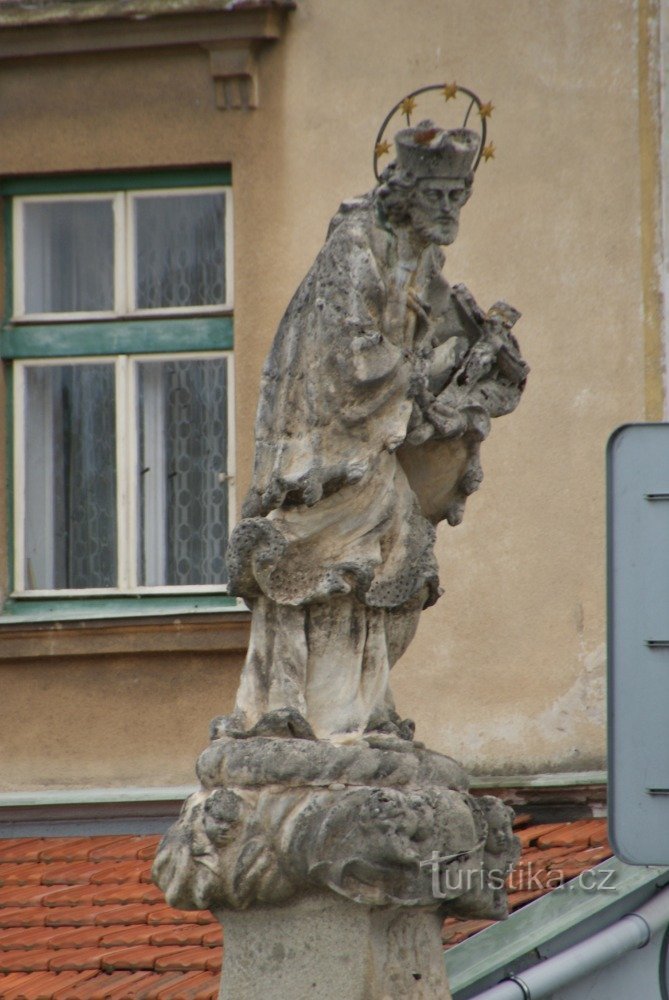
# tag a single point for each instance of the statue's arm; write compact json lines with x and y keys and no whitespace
{"x":475,"y":369}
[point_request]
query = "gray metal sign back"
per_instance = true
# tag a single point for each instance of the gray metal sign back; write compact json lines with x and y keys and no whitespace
{"x":638,"y":642}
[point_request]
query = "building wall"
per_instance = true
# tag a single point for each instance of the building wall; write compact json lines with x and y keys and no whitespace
{"x":507,"y":671}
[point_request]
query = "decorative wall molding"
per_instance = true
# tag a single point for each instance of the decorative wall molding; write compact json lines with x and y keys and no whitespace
{"x":233,"y":34}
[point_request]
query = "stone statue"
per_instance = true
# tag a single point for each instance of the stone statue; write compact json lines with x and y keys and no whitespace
{"x":377,"y":392}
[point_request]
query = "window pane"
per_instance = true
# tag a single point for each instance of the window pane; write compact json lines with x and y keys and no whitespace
{"x":70,"y":457}
{"x":183,"y":455}
{"x":180,"y":248}
{"x":68,"y":256}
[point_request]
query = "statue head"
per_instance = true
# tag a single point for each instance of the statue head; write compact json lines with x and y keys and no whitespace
{"x":430,"y":180}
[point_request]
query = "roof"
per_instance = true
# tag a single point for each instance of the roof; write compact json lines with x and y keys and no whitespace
{"x":80,"y":919}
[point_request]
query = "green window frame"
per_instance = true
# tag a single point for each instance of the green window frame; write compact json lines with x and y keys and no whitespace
{"x":25,"y":343}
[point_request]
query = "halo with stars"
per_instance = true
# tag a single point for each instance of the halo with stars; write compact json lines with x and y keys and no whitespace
{"x":450,"y":91}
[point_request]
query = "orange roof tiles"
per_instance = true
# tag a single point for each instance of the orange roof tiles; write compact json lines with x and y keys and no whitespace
{"x":80,"y":919}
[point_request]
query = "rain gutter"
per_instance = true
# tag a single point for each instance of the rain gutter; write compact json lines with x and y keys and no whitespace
{"x":630,"y":932}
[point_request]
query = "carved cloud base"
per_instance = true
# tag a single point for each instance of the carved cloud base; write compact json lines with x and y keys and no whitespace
{"x":293,"y":840}
{"x":323,"y":947}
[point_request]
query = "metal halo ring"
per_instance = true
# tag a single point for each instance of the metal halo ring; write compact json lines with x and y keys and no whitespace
{"x":474,"y":100}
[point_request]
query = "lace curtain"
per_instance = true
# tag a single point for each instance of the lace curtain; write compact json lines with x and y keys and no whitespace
{"x":71,"y":525}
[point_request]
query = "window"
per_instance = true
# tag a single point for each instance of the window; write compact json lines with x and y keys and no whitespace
{"x":119,"y":333}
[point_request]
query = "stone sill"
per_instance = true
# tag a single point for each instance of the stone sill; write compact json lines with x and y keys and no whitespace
{"x":225,"y":632}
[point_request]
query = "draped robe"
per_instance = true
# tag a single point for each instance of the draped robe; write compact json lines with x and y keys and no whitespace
{"x":334,"y":553}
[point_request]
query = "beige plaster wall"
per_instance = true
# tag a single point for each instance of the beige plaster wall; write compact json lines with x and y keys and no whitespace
{"x":507,"y":670}
{"x":113,"y":704}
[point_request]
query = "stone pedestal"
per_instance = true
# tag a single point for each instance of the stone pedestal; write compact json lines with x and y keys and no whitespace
{"x":324,"y":947}
{"x":331,"y":867}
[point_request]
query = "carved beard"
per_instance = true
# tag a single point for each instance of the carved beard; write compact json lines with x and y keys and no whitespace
{"x":440,"y":231}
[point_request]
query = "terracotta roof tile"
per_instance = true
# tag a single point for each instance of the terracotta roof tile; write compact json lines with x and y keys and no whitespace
{"x":179,"y":935}
{"x":16,"y":981}
{"x":26,"y":916}
{"x":177,"y":985}
{"x":213,"y":937}
{"x":23,"y":849}
{"x":117,"y":849}
{"x":18,"y":960}
{"x":65,"y":873}
{"x":127,"y":937}
{"x":76,"y":849}
{"x":68,"y":985}
{"x":532,"y":833}
{"x":463,"y":929}
{"x":44,"y":985}
{"x":24,"y":938}
{"x":77,"y":959}
{"x":27,"y":873}
{"x":23,"y":895}
{"x":102,"y":985}
{"x":183,"y":959}
{"x":119,"y":895}
{"x":600,"y":837}
{"x":75,"y":895}
{"x":193,"y":986}
{"x":32,"y":986}
{"x":168,"y":915}
{"x":69,"y":916}
{"x":123,"y":916}
{"x":74,"y":937}
{"x":575,"y":834}
{"x":132,"y":986}
{"x":518,"y":899}
{"x":134,"y":958}
{"x":118,"y":872}
{"x":148,"y":851}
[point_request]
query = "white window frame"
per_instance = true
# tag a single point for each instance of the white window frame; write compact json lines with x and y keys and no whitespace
{"x":124,"y":262}
{"x":127,"y":483}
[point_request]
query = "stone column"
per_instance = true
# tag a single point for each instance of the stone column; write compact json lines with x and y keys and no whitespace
{"x":327,"y":948}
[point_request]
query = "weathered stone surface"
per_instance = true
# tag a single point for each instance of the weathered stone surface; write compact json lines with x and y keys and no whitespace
{"x":289,"y":762}
{"x":325,"y":948}
{"x":278,"y":818}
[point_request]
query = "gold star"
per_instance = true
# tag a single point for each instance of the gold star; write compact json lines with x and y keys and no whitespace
{"x":486,"y":110}
{"x":381,"y":148}
{"x":488,"y":152}
{"x":407,"y":106}
{"x":450,"y":90}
